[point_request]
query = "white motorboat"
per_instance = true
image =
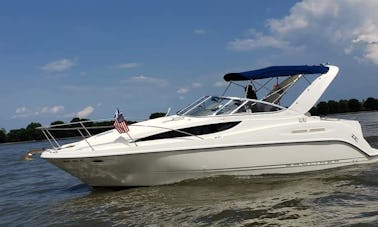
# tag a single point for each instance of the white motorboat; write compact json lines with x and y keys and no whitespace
{"x":222,"y":135}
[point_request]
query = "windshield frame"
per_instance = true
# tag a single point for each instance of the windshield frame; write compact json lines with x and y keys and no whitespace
{"x":193,"y":109}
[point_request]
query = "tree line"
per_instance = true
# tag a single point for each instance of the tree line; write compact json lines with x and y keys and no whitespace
{"x":344,"y":106}
{"x":31,"y":132}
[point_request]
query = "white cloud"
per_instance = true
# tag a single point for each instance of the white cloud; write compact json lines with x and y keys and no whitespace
{"x":144,"y":80}
{"x":52,"y":109}
{"x":339,"y":26}
{"x":197,"y":85}
{"x":259,"y":41}
{"x":85,"y":112}
{"x":199,"y":31}
{"x":183,"y":90}
{"x":220,"y":84}
{"x":24,"y":112}
{"x":21,"y":110}
{"x":371,"y":53}
{"x":128,"y":65}
{"x":58,"y":66}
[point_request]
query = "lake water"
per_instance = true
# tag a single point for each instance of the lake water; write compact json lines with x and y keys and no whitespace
{"x":35,"y":193}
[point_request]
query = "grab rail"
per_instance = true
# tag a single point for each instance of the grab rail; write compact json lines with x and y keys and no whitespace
{"x":79,"y":126}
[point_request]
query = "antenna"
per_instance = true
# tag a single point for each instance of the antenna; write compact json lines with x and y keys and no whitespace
{"x":169,"y":110}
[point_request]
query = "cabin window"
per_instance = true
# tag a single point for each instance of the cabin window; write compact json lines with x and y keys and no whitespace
{"x":197,"y":130}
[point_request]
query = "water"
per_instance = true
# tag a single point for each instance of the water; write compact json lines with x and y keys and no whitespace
{"x":35,"y":193}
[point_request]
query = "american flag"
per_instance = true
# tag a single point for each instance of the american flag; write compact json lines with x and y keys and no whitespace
{"x":120,"y":123}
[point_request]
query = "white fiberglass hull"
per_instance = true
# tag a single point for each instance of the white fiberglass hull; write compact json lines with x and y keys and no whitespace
{"x":221,"y":136}
{"x":157,"y":168}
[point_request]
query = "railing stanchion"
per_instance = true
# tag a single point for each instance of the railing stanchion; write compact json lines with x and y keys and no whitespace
{"x":72,"y":126}
{"x":86,"y":130}
{"x":85,"y":139}
{"x":52,"y":137}
{"x":47,"y":137}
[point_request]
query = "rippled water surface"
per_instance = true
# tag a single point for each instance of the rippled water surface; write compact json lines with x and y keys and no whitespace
{"x":35,"y":193}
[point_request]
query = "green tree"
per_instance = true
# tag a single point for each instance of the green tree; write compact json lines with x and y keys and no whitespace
{"x":77,"y":119}
{"x":17,"y":135}
{"x":56,"y":123}
{"x":32,"y":131}
{"x":156,"y":115}
{"x":314,"y":111}
{"x":371,"y":104}
{"x":322,"y":108}
{"x":33,"y":125}
{"x":333,"y":106}
{"x":343,"y":106}
{"x":3,"y":136}
{"x":354,"y":105}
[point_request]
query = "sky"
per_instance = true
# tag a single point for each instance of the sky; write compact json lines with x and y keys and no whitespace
{"x":65,"y":59}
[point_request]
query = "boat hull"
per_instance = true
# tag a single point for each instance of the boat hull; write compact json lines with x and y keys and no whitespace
{"x":158,"y":168}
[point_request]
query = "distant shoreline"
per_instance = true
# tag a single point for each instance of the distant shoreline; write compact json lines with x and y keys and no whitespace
{"x":19,"y":142}
{"x":328,"y":115}
{"x":36,"y":141}
{"x":362,"y":111}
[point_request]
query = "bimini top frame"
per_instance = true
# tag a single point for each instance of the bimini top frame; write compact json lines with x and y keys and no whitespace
{"x":276,"y":71}
{"x":291,"y":75}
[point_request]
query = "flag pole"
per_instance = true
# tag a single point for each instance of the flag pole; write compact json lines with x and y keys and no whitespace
{"x":131,"y":138}
{"x":119,"y":115}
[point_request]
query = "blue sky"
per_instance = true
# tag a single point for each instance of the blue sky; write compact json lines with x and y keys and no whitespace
{"x":64,"y":59}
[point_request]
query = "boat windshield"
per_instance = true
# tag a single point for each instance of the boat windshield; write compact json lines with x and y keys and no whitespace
{"x":214,"y":105}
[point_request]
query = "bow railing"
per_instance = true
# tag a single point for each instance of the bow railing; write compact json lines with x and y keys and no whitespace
{"x":83,"y":129}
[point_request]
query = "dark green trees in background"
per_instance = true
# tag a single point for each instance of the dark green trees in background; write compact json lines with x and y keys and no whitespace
{"x":321,"y":109}
{"x":57,"y":123}
{"x":31,"y":132}
{"x":333,"y":106}
{"x":24,"y":134}
{"x":156,"y":115}
{"x":354,"y":105}
{"x":344,"y":106}
{"x":371,"y":104}
{"x":3,"y":136}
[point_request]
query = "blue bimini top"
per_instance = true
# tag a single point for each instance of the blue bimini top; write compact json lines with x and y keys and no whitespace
{"x":276,"y":71}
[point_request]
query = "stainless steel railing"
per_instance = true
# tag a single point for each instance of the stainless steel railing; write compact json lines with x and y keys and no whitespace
{"x":82,"y":128}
